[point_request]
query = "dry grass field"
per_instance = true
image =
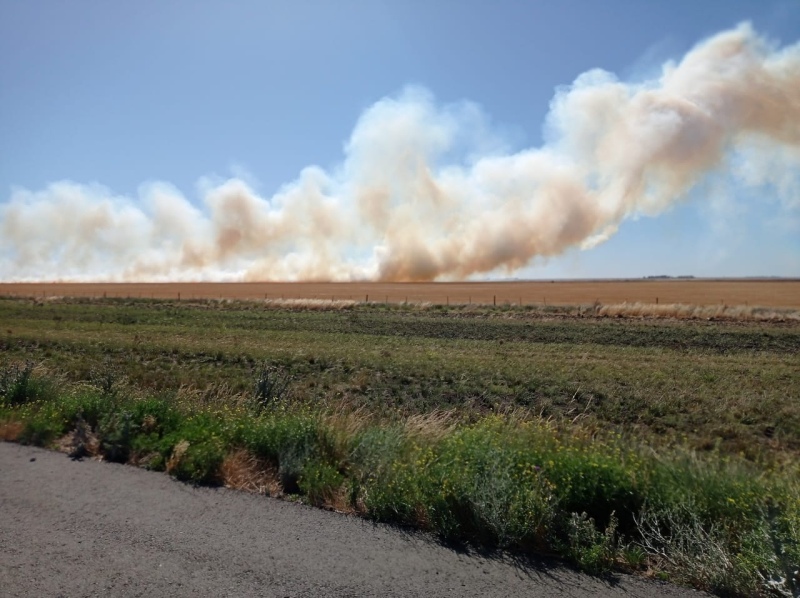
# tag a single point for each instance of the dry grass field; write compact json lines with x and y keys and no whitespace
{"x":703,"y":292}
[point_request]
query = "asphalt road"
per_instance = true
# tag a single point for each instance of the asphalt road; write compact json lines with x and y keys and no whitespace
{"x":95,"y":529}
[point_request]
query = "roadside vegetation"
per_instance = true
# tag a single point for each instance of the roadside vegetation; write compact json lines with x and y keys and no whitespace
{"x":658,"y":446}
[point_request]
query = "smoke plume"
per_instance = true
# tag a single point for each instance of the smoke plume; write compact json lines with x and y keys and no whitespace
{"x":423,"y":192}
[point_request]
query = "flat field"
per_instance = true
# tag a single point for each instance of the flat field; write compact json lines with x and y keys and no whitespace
{"x":615,"y":442}
{"x":729,"y":385}
{"x":753,"y":292}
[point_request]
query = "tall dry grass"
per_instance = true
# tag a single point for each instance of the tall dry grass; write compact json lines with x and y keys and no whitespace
{"x":11,"y":430}
{"x":683,"y":311}
{"x":241,"y":470}
{"x":311,"y":304}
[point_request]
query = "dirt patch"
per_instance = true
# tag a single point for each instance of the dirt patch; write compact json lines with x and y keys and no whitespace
{"x":748,"y":292}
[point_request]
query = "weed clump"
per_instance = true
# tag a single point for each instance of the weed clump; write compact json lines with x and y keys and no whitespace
{"x":197,"y":462}
{"x":15,"y":383}
{"x":593,"y":550}
{"x":20,"y":384}
{"x":271,"y":387}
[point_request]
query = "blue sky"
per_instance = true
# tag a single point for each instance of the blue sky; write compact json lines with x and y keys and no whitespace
{"x":123,"y":94}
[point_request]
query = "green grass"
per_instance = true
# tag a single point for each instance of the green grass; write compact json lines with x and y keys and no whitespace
{"x":705,"y":385}
{"x":663,"y":446}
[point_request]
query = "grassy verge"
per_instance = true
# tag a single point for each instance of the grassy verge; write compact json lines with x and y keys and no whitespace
{"x":509,"y":481}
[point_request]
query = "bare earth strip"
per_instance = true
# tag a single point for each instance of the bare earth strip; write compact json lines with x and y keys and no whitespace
{"x":95,"y":529}
{"x":753,"y":292}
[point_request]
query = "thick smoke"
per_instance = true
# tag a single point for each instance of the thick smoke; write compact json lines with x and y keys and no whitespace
{"x":425,"y":193}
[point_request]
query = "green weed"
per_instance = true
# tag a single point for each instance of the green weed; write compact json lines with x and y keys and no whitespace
{"x":20,"y":384}
{"x":594,"y":551}
{"x":320,"y":482}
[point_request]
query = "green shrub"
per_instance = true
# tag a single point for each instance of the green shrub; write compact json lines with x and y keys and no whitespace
{"x":116,"y":431}
{"x":287,"y":440}
{"x":15,"y":387}
{"x":41,"y":430}
{"x":271,"y":387}
{"x":49,"y":414}
{"x":393,"y":494}
{"x":483,"y":484}
{"x":592,"y":550}
{"x":199,"y":462}
{"x":107,"y":379}
{"x":155,"y":416}
{"x":19,"y":385}
{"x":320,"y":482}
{"x":90,"y":406}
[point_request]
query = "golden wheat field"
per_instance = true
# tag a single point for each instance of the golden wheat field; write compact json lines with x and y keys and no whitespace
{"x":778,"y":293}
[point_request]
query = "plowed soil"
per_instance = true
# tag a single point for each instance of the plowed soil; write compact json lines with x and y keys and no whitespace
{"x":753,"y":292}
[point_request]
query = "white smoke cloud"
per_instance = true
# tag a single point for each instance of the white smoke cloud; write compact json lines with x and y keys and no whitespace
{"x":427,"y":192}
